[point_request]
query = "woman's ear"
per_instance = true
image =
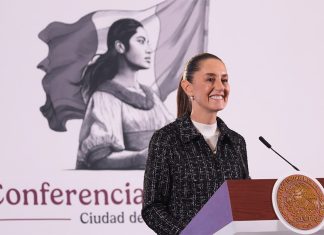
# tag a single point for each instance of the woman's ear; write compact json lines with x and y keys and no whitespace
{"x":187,"y":87}
{"x":120,"y":47}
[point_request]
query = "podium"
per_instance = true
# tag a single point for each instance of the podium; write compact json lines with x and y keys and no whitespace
{"x":241,"y":207}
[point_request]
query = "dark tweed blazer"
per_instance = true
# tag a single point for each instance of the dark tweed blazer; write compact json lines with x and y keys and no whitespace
{"x":182,"y":172}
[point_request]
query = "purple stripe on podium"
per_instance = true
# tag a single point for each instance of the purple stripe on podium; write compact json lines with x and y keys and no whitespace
{"x":213,"y":216}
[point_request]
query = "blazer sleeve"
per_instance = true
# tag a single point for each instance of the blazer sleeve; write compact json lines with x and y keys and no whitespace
{"x":245,"y":160}
{"x":157,"y":185}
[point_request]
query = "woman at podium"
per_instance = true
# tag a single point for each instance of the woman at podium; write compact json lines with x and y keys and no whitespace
{"x":190,"y":158}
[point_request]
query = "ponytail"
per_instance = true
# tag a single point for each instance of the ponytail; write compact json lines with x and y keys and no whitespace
{"x":104,"y":68}
{"x":183,"y":102}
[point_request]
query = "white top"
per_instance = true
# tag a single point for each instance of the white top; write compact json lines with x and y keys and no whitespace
{"x":111,"y":123}
{"x":210,"y":133}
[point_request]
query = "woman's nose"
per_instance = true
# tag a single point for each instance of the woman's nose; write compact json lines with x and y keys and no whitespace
{"x":149,"y":49}
{"x":218,"y":85}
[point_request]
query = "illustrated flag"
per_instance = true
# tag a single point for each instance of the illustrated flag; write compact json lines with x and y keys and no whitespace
{"x":179,"y":28}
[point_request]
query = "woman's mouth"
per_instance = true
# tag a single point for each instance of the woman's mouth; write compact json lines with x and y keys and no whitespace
{"x":216,"y":97}
{"x":148,"y":59}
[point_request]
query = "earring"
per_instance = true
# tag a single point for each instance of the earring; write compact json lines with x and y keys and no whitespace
{"x":192,"y":97}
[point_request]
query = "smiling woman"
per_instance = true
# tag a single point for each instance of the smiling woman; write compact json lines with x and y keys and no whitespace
{"x":190,"y":158}
{"x":209,"y":90}
{"x":121,"y":114}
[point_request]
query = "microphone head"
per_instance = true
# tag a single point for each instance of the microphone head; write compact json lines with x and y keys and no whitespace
{"x":264,"y":142}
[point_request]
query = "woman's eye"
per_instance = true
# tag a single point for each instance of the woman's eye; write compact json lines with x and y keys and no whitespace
{"x":210,"y":79}
{"x":224,"y":80}
{"x":141,"y":41}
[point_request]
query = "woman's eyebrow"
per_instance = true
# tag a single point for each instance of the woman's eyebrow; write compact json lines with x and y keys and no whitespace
{"x":215,"y":75}
{"x":141,"y":37}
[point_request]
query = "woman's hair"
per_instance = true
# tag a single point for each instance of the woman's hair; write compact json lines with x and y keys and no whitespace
{"x":106,"y":66}
{"x":193,"y":65}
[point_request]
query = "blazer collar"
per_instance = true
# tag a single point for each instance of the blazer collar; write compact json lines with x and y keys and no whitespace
{"x":188,"y":132}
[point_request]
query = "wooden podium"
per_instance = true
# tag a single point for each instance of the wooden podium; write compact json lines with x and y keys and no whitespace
{"x":242,"y":207}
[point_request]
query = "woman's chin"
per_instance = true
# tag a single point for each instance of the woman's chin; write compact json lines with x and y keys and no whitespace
{"x":218,"y":108}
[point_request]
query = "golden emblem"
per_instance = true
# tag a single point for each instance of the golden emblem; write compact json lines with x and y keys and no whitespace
{"x":301,"y":202}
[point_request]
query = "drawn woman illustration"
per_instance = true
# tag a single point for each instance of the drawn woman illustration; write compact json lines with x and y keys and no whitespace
{"x":121,"y":113}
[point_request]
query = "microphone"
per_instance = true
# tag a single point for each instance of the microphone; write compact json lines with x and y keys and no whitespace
{"x":269,"y":146}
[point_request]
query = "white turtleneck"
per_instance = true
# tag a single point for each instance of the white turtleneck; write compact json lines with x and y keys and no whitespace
{"x":210,"y":133}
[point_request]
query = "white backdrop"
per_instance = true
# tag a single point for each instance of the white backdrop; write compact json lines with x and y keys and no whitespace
{"x":274,"y":54}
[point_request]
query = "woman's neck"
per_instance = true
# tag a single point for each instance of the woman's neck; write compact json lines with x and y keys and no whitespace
{"x":126,"y":76}
{"x":205,"y":118}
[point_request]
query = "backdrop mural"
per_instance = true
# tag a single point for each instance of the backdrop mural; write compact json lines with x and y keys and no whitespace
{"x":105,"y":76}
{"x":119,"y":114}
